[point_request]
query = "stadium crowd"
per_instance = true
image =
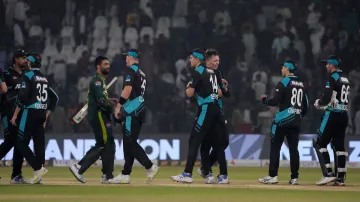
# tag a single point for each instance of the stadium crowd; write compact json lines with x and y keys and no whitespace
{"x":253,"y":38}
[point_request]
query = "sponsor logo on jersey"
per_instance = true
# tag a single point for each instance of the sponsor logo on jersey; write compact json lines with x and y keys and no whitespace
{"x":97,"y":83}
{"x":41,"y":79}
{"x":128,"y":78}
{"x":297,"y":83}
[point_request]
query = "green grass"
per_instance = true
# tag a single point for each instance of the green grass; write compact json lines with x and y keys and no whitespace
{"x":59,"y":185}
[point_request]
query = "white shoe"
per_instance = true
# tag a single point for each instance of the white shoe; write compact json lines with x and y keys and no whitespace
{"x":38,"y":174}
{"x":210,"y":179}
{"x":201,"y":173}
{"x":183,"y":177}
{"x":223,"y":179}
{"x":122,"y":179}
{"x":151,"y":173}
{"x":294,"y":181}
{"x":19,"y":179}
{"x":75,"y":171}
{"x":325,"y":180}
{"x":268,"y":180}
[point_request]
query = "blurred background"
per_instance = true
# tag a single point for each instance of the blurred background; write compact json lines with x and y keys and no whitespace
{"x":252,"y":36}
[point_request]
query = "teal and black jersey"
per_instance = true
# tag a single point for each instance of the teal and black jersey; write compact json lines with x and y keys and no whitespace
{"x":336,"y":93}
{"x":135,"y":78}
{"x":205,"y":83}
{"x":292,"y":100}
{"x":220,"y":76}
{"x":13,"y":82}
{"x":36,"y":92}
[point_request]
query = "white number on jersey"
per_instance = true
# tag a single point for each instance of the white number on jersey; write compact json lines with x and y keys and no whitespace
{"x":214,"y":83}
{"x":143,"y":85}
{"x":345,"y":90}
{"x":43,"y":94}
{"x":297,"y":96}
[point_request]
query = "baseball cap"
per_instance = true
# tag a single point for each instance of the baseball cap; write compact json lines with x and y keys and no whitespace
{"x":34,"y":58}
{"x":133,"y":53}
{"x":333,"y":59}
{"x":289,"y":64}
{"x":19,"y":53}
{"x":197,"y":53}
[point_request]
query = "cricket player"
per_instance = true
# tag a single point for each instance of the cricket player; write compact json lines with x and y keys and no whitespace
{"x":100,"y":110}
{"x":130,"y":111}
{"x":204,"y":86}
{"x":219,"y":133}
{"x":291,"y":98}
{"x":334,"y":101}
{"x":36,"y":100}
{"x":10,"y":85}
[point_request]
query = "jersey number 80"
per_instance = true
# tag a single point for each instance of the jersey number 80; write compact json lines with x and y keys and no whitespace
{"x":297,"y":96}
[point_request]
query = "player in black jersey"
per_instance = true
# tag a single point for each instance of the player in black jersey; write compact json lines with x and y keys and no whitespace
{"x":219,"y":132}
{"x":131,"y":112}
{"x":12,"y":81}
{"x":36,"y":100}
{"x":335,"y":102}
{"x":292,"y":100}
{"x":204,"y":86}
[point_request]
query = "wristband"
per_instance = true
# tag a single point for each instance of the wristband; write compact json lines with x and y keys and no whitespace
{"x":122,"y":100}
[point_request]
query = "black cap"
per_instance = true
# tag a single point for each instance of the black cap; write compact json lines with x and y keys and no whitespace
{"x":19,"y":53}
{"x":34,"y":59}
{"x":133,"y":53}
{"x":333,"y":59}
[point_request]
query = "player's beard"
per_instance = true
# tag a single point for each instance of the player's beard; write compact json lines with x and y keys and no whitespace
{"x":105,"y":71}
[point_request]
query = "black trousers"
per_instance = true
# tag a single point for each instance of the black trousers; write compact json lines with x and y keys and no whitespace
{"x":10,"y":136}
{"x":277,"y":138}
{"x":220,"y":134}
{"x":30,"y":125}
{"x":332,"y":129}
{"x":104,"y":146}
{"x":131,"y":127}
{"x":208,"y":116}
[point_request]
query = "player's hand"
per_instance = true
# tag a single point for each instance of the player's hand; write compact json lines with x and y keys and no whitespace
{"x":225,"y":83}
{"x":13,"y":120}
{"x":117,"y":111}
{"x":113,"y":100}
{"x":316,"y":104}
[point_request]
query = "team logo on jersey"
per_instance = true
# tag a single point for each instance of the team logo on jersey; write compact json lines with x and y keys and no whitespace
{"x":14,"y":77}
{"x":128,"y":78}
{"x":97,"y":83}
{"x":23,"y":84}
{"x":327,"y":85}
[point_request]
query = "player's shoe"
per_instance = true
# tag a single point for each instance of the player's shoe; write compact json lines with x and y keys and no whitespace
{"x":210,"y":179}
{"x":151,"y":173}
{"x":325,"y":180}
{"x":339,"y":182}
{"x":223,"y":179}
{"x":121,"y":179}
{"x":19,"y":179}
{"x":75,"y":171}
{"x":268,"y":180}
{"x":38,"y":175}
{"x":183,"y":177}
{"x":201,"y":173}
{"x":294,"y":181}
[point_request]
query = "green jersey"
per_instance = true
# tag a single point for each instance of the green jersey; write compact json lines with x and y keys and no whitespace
{"x":97,"y":97}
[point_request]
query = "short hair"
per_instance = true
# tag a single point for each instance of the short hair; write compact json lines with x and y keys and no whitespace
{"x":99,"y":60}
{"x":211,"y":52}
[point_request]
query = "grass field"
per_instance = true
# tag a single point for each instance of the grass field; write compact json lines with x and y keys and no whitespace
{"x":60,"y":185}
